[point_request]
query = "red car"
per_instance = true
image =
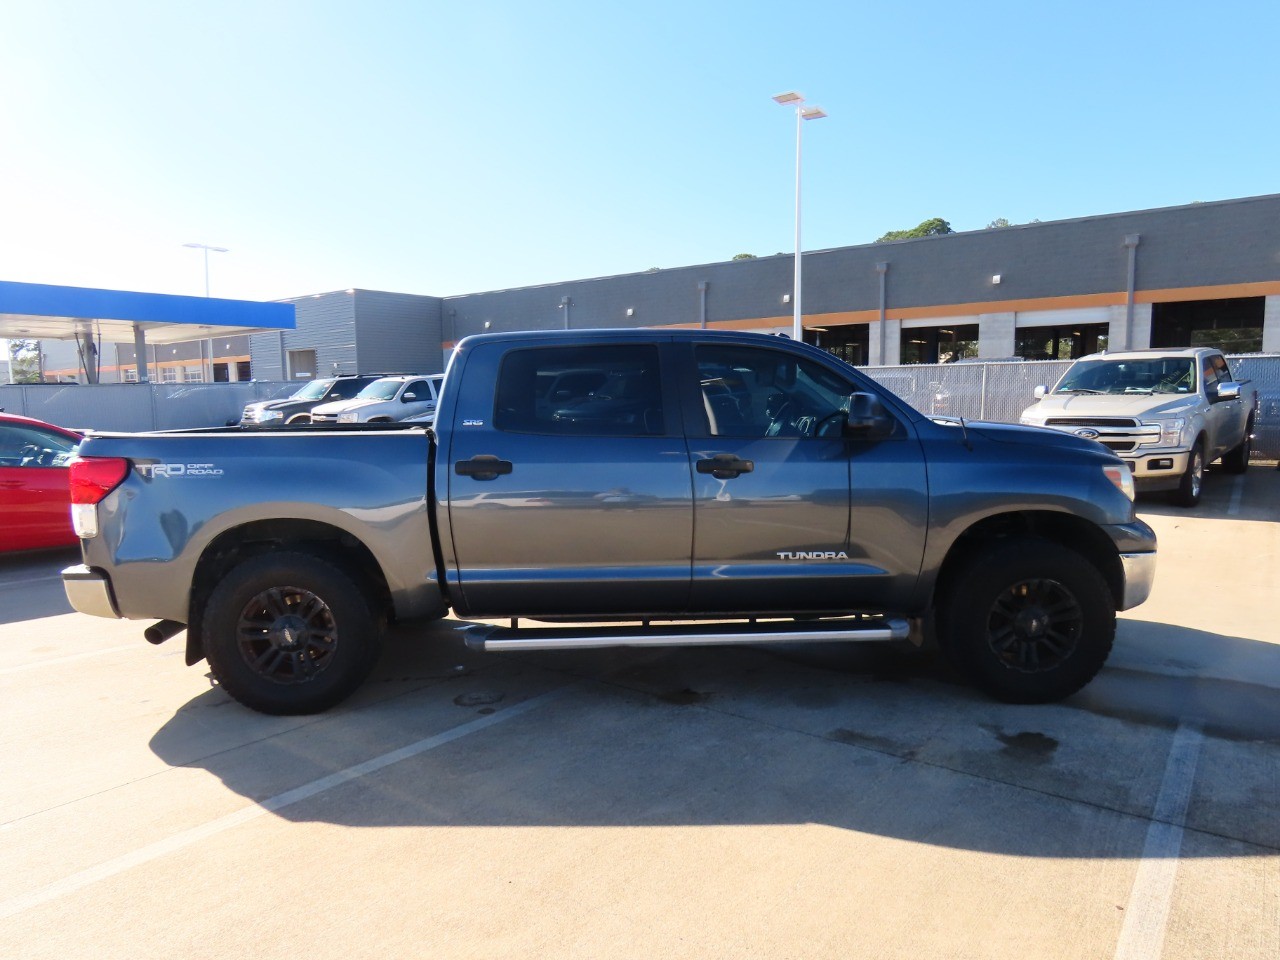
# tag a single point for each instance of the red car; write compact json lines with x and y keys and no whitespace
{"x":35,"y":498}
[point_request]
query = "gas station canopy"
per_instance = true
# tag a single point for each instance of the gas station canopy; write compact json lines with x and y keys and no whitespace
{"x":40,"y":312}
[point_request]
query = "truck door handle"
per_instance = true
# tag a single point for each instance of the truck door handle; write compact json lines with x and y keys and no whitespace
{"x":725,"y":466}
{"x":483,"y":467}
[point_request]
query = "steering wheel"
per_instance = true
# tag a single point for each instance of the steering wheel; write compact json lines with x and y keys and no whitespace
{"x":29,"y":455}
{"x":780,"y":415}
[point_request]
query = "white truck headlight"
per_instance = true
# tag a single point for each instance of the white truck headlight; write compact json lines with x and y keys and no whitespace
{"x":266,"y":415}
{"x":1029,"y":421}
{"x":347,"y":417}
{"x":1171,"y":432}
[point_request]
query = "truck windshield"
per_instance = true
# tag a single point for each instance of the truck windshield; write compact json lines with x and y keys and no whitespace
{"x":312,"y":391}
{"x":381,"y":390}
{"x":1156,"y":375}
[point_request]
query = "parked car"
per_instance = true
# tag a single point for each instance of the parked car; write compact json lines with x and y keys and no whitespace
{"x":296,"y":408}
{"x":35,"y":497}
{"x":385,"y":400}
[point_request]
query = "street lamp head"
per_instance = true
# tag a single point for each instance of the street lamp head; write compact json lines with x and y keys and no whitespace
{"x":812,"y":113}
{"x":788,"y":98}
{"x":205,"y":246}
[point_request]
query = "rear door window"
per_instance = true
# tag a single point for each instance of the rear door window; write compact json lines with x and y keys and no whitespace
{"x":610,"y":390}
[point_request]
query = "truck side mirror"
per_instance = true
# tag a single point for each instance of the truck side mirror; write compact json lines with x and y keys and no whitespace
{"x":1229,"y":390}
{"x":408,"y":397}
{"x":866,"y":416}
{"x":1040,"y":391}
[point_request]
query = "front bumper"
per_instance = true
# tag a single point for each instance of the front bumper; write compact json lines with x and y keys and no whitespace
{"x":1135,"y":544}
{"x":1139,"y":575}
{"x":1161,"y":470}
{"x":89,"y":591}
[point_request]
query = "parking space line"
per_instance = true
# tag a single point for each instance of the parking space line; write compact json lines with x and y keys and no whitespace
{"x":1237,"y":493}
{"x":152,"y":851}
{"x":70,"y":658}
{"x":55,"y":578}
{"x":1147,"y":913}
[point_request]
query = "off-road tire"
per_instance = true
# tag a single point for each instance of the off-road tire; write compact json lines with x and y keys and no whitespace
{"x":290,"y":633}
{"x":1027,"y":620}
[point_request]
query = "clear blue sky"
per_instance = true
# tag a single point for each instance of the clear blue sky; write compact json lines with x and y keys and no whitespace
{"x":449,"y":148}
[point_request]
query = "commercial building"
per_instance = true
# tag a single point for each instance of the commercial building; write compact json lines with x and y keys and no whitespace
{"x":1199,"y":274}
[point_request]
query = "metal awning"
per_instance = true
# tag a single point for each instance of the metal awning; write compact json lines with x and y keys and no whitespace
{"x":40,"y":312}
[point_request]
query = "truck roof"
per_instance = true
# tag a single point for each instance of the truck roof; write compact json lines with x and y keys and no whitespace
{"x":1152,"y":352}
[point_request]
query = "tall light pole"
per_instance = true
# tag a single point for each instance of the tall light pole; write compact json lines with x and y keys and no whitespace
{"x":803,"y":113}
{"x":207,"y":249}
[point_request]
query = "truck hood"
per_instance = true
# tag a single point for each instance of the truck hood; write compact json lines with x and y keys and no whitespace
{"x":1034,"y":436}
{"x":337,"y":406}
{"x":1155,"y":405}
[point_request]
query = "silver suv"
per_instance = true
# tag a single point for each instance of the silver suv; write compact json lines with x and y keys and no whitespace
{"x":390,"y":398}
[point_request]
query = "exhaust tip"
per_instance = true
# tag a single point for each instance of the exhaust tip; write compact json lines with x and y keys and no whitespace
{"x":162,"y":631}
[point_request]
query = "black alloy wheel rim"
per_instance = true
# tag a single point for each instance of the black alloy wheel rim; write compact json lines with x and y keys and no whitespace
{"x":287,"y":635}
{"x":1035,"y":625}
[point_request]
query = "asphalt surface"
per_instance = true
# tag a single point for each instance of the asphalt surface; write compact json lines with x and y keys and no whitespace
{"x":811,"y":801}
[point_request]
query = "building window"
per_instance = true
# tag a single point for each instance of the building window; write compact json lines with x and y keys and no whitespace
{"x":169,"y":375}
{"x":1233,"y":325}
{"x":1062,"y":343}
{"x":851,"y":344}
{"x":939,"y":344}
{"x":192,"y":376}
{"x":131,"y":375}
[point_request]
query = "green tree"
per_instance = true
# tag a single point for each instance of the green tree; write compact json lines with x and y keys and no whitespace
{"x":934,"y":227}
{"x":744,"y":256}
{"x":24,"y":358}
{"x":997,"y":223}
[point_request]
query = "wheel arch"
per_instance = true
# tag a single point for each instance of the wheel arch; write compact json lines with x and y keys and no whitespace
{"x":258,"y":537}
{"x":1065,"y":529}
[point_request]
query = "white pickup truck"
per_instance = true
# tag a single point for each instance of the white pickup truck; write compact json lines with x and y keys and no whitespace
{"x":1167,"y":413}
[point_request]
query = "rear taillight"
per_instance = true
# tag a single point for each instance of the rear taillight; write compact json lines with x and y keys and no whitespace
{"x":92,"y":478}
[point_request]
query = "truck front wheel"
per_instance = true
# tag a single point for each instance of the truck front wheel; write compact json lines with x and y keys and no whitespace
{"x":1028,"y":620}
{"x":1192,"y":483}
{"x":290,"y":633}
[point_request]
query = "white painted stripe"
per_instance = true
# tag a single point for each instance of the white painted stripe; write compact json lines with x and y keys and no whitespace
{"x":70,"y":658}
{"x":1147,"y":914}
{"x":1237,"y":492}
{"x":56,"y":578}
{"x":161,"y":848}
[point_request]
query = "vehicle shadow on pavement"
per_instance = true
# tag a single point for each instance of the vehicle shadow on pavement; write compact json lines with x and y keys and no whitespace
{"x":1254,"y":495}
{"x":857,"y":737}
{"x":31,"y":587}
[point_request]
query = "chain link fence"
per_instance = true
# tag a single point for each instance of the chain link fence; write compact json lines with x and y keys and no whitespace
{"x":993,"y":390}
{"x":1002,"y":389}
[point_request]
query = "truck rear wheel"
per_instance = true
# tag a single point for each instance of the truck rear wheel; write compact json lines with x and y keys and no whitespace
{"x":1029,"y":621}
{"x":290,"y":633}
{"x":1236,"y":460}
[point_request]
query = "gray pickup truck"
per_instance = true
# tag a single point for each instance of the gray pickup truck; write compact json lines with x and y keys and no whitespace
{"x":618,"y":488}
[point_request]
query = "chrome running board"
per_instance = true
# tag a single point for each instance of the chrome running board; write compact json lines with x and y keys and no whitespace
{"x":485,"y":637}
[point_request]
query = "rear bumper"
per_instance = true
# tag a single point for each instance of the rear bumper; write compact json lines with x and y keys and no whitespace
{"x":89,"y":591}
